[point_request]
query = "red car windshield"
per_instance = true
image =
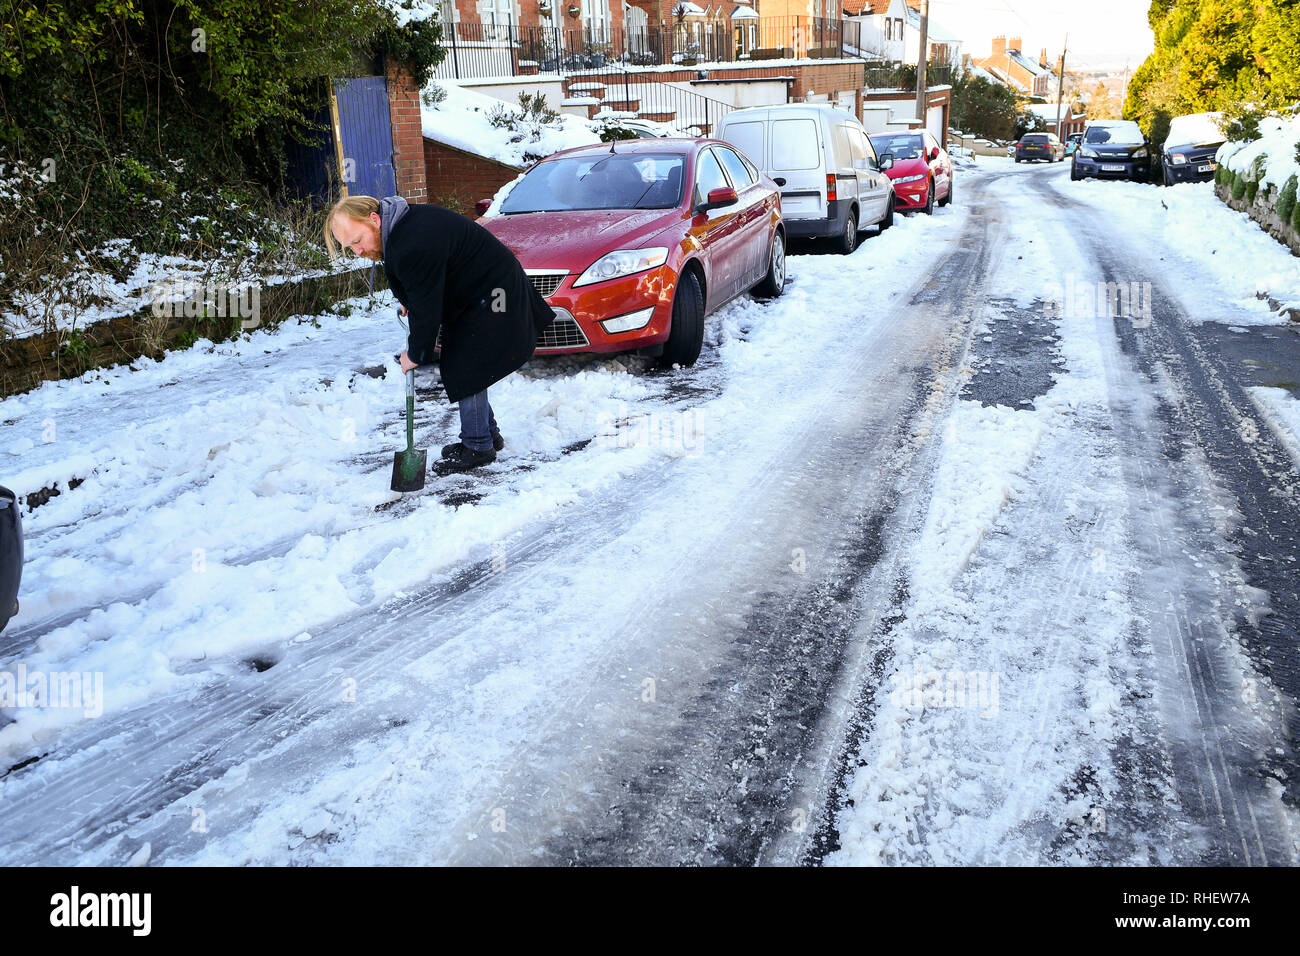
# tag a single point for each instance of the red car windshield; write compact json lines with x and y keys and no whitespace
{"x":900,"y":147}
{"x":600,"y":181}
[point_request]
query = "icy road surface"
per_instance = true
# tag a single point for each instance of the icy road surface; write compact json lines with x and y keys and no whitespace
{"x":925,"y":562}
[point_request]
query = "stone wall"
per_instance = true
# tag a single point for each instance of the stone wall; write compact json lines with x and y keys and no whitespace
{"x":1264,"y":211}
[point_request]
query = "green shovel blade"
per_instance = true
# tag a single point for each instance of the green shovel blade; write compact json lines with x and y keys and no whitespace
{"x":409,"y":466}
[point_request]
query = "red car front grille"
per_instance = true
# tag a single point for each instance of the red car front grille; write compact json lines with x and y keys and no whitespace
{"x":547,"y":283}
{"x":563,"y":333}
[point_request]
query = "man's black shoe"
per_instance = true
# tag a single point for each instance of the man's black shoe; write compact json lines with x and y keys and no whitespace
{"x":497,"y":444}
{"x":464,"y":459}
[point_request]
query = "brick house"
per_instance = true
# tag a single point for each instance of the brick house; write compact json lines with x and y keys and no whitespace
{"x":1010,"y":65}
{"x":882,"y":26}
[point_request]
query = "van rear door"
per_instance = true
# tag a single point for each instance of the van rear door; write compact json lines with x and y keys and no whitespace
{"x":795,"y":152}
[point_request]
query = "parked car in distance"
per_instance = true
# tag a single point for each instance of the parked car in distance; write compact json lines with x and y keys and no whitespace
{"x":1114,"y":149}
{"x":11,"y":554}
{"x":632,"y":243}
{"x":831,"y":182}
{"x":1036,"y":146}
{"x":1189,"y":149}
{"x":1072,"y":143}
{"x":921,"y":169}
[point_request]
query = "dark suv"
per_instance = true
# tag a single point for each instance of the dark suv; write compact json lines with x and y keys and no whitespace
{"x":1112,"y":149}
{"x":1040,"y":146}
{"x":1189,"y":150}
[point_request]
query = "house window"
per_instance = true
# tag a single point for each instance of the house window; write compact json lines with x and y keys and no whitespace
{"x":595,"y":16}
{"x":496,"y":16}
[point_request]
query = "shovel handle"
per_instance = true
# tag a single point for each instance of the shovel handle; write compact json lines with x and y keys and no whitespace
{"x":410,"y":411}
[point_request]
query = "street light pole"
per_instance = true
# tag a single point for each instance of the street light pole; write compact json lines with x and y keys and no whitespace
{"x":921,"y":99}
{"x":1060,"y":90}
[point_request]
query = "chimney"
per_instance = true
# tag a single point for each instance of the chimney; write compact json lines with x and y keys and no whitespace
{"x":999,"y":46}
{"x":1013,"y":43}
{"x":1042,"y":58}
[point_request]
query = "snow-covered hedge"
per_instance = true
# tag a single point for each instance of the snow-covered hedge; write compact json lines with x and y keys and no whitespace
{"x":1261,"y":176}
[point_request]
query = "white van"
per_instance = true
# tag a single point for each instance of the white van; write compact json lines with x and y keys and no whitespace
{"x":831,"y":181}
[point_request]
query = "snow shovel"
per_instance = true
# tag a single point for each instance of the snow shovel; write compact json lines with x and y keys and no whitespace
{"x":409,"y":466}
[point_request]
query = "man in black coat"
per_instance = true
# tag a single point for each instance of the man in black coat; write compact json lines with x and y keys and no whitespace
{"x":450,"y":274}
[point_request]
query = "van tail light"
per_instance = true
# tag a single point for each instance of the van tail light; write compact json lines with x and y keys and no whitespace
{"x":830,"y":187}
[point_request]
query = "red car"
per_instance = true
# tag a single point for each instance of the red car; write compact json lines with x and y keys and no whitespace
{"x":922,"y":170}
{"x":634,"y":242}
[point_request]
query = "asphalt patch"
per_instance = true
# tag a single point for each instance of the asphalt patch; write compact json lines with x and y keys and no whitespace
{"x":1015,"y":356}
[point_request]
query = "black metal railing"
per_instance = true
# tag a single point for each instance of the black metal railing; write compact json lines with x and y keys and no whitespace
{"x":476,"y":50}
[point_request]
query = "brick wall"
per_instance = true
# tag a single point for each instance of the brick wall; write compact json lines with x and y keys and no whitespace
{"x":457,"y":179}
{"x":408,"y":142}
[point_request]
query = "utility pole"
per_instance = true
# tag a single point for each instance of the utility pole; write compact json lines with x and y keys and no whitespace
{"x":1060,"y":90}
{"x":921,"y":99}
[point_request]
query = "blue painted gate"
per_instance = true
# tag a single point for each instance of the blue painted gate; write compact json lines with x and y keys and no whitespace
{"x":367,"y":134}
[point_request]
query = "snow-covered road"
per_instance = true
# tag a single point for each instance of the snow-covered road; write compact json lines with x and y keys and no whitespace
{"x":912,"y":567}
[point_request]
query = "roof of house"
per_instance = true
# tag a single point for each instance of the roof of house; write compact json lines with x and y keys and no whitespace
{"x":1048,"y":110}
{"x":862,"y":8}
{"x":1005,"y":80}
{"x":743,"y":12}
{"x":1028,"y":63}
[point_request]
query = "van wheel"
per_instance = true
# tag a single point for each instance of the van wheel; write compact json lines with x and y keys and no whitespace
{"x":686,"y":334}
{"x":848,"y":240}
{"x":889,"y":215}
{"x":773,"y":284}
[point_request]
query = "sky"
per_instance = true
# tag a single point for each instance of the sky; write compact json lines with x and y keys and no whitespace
{"x":1102,"y":32}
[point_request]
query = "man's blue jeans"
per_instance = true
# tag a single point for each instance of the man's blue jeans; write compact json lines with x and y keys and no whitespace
{"x":477,"y":423}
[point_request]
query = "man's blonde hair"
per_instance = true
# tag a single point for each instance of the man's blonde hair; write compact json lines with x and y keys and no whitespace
{"x":354,"y":207}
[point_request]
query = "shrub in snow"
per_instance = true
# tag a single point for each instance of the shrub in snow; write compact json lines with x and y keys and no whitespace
{"x":528,"y":121}
{"x":433,"y":95}
{"x":1286,"y":201}
{"x":1238,"y":186}
{"x":1295,"y":218}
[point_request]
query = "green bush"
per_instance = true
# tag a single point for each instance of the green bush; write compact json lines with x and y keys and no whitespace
{"x":1286,"y":201}
{"x":1295,"y":217}
{"x":1238,"y":186}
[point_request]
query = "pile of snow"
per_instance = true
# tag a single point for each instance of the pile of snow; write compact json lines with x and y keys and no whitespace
{"x":1196,"y":129}
{"x":1278,"y":141}
{"x":413,"y":11}
{"x":462,"y":119}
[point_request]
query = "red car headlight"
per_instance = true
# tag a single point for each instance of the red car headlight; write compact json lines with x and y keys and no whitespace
{"x":624,"y":262}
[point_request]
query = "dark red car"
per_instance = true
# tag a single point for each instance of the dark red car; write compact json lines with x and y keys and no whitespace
{"x":633,"y":243}
{"x":922,"y":170}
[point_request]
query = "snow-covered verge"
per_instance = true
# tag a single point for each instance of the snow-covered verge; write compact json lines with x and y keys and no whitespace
{"x":234,"y":499}
{"x":1221,"y":258}
{"x":1276,"y":148}
{"x":465,"y":119}
{"x":239,"y":246}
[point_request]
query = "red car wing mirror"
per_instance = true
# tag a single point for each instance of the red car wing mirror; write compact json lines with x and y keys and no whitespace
{"x":725,"y":196}
{"x":481,"y":207}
